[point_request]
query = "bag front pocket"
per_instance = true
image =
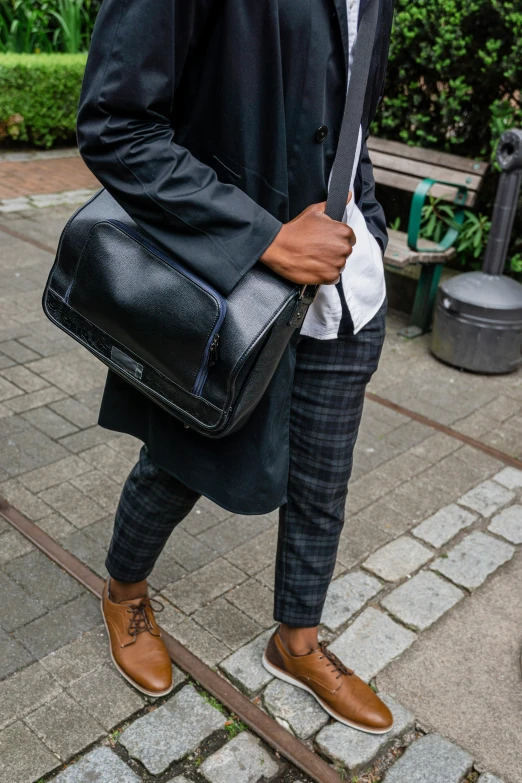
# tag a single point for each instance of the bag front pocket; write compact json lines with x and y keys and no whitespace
{"x":148,"y":302}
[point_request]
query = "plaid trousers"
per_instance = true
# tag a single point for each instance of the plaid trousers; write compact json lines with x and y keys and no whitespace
{"x":326,"y":408}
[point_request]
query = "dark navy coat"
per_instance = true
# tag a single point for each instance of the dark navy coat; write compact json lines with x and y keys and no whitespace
{"x":200,"y":117}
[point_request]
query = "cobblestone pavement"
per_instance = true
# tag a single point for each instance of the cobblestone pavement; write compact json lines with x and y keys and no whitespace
{"x":430,"y":521}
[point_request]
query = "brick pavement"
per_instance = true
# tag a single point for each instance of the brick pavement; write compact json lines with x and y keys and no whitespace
{"x":429,"y":520}
{"x":44,"y":173}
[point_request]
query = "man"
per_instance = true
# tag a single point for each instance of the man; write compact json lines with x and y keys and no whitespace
{"x":215,"y":123}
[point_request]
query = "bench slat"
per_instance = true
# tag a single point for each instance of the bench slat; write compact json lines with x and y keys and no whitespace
{"x":421,"y":169}
{"x":398,"y":253}
{"x":409,"y":183}
{"x":445,"y":159}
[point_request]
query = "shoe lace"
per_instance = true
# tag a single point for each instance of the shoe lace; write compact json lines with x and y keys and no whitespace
{"x":334,"y":661}
{"x":139,"y":621}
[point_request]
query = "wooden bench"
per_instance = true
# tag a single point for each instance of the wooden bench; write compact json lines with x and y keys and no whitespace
{"x":424,"y":172}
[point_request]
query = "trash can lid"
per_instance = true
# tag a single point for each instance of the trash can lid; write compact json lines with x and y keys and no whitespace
{"x":490,"y":292}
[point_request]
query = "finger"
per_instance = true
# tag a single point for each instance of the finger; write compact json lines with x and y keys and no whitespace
{"x":350,"y":194}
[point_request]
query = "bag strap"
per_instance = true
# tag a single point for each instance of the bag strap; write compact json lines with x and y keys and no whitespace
{"x":348,"y":138}
{"x":353,"y":113}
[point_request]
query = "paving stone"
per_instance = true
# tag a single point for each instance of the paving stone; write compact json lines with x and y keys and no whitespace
{"x":487,"y":498}
{"x":87,"y":550}
{"x":24,"y":378}
{"x":200,"y":642}
{"x":24,"y":500}
{"x":77,"y":508}
{"x":476,"y":557}
{"x":56,"y":526}
{"x":27,"y":402}
{"x":43,"y":579}
{"x":64,"y":726}
{"x":227,"y":623}
{"x":59,"y":626}
{"x":79,"y":442}
{"x":354,"y":749}
{"x":101,"y":765}
{"x":358,"y":538}
{"x":243,"y":760}
{"x":432,"y":758}
{"x":13,"y":655}
{"x":179,"y":779}
{"x":245,"y":667}
{"x":371,"y":642}
{"x":24,"y":692}
{"x":75,"y":412}
{"x":17,"y":352}
{"x":235,"y":530}
{"x":202,"y":586}
{"x":106,"y":696}
{"x":56,"y":473}
{"x":101,"y":531}
{"x":256,"y":600}
{"x":398,"y":559}
{"x":172,"y":731}
{"x":444,"y":525}
{"x":386,"y":518}
{"x":508,"y":524}
{"x":108,"y":461}
{"x":422,"y":600}
{"x":73,"y":661}
{"x":17,"y":607}
{"x":12,"y":545}
{"x":511,"y":478}
{"x":256,"y":554}
{"x":488,"y":778}
{"x":294,"y":708}
{"x":50,"y":422}
{"x":346,"y":595}
{"x":188,"y":551}
{"x":199,"y":520}
{"x":99,"y":486}
{"x":17,"y":765}
{"x":166,"y":571}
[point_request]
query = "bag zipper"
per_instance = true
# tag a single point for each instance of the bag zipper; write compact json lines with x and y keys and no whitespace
{"x":210,"y":354}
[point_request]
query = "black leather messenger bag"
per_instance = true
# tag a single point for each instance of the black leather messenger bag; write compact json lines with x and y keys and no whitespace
{"x":205,"y":359}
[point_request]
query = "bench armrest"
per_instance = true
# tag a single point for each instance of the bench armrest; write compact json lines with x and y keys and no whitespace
{"x":417,"y":205}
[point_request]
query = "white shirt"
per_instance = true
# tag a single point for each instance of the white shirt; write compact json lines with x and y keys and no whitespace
{"x":363,"y":278}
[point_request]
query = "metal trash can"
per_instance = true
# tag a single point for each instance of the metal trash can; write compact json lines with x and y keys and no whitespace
{"x":478,"y":316}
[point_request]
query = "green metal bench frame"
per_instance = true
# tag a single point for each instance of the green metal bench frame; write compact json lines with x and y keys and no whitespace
{"x":428,"y":284}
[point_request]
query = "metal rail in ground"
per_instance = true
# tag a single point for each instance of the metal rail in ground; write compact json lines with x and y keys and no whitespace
{"x":476,"y":444}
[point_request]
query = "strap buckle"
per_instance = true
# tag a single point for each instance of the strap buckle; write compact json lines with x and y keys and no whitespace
{"x":308,"y":294}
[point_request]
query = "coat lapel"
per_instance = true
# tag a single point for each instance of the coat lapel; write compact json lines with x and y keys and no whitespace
{"x":342,"y":19}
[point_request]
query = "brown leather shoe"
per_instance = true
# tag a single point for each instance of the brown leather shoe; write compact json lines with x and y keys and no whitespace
{"x":136,"y":646}
{"x":338,"y":689}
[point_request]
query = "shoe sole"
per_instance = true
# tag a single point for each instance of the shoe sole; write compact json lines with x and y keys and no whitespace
{"x":280,"y":674}
{"x":155,"y":694}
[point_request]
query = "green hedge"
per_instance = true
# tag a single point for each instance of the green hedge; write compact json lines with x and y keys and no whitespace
{"x":39,"y":96}
{"x":454,"y":75}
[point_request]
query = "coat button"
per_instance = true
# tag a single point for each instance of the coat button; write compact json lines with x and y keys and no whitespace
{"x":321,"y":134}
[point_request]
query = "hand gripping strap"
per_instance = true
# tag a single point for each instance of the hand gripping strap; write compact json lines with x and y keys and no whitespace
{"x":353,"y":112}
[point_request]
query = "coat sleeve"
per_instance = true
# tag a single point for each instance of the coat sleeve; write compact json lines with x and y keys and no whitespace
{"x":126,"y":138}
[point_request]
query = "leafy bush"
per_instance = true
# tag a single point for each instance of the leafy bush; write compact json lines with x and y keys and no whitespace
{"x":47,"y":25}
{"x":454,"y":83}
{"x":454,"y":74}
{"x":39,"y":96}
